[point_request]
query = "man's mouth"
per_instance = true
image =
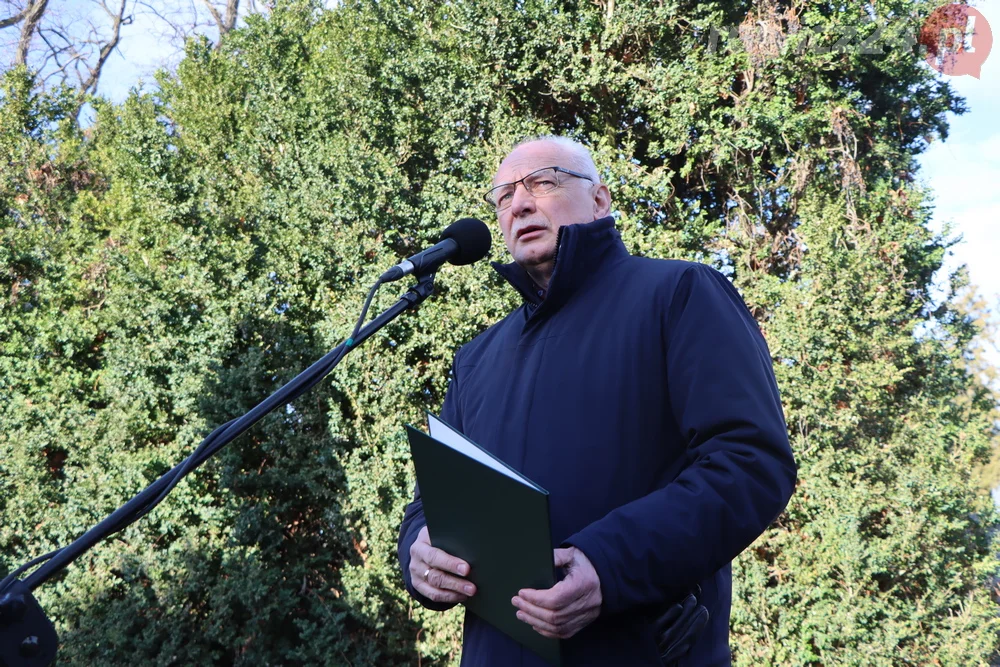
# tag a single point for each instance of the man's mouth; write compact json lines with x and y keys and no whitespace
{"x":528,"y":229}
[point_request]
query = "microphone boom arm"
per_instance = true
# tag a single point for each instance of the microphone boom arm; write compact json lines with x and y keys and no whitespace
{"x":27,"y":637}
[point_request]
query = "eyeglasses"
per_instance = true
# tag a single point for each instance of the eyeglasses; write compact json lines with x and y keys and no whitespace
{"x":538,"y":184}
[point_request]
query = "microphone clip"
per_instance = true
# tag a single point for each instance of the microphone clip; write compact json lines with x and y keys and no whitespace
{"x":419,"y":292}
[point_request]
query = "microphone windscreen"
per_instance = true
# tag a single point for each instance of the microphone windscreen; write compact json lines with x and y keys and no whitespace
{"x":473,"y":239}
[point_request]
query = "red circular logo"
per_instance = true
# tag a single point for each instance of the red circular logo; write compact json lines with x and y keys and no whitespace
{"x":958,"y":40}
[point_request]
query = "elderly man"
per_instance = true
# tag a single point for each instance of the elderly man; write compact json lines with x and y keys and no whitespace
{"x":640,"y":394}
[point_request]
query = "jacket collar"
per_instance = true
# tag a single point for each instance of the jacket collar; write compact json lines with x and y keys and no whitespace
{"x":582,"y":250}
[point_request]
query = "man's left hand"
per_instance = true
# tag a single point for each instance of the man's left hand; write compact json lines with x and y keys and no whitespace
{"x":569,"y":606}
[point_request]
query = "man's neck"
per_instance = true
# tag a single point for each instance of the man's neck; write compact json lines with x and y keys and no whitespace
{"x":540,"y":274}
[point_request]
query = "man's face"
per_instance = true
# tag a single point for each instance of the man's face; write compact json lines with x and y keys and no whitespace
{"x":530,"y":225}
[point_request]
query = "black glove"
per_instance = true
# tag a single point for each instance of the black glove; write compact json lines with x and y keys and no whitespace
{"x":679,"y":626}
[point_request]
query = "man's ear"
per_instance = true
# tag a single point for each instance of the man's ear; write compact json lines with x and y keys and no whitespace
{"x":602,"y":201}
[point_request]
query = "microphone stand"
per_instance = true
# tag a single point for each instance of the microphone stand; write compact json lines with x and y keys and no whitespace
{"x":27,"y":637}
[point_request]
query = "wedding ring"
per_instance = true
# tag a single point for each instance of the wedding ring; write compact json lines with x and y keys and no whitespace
{"x":426,"y":572}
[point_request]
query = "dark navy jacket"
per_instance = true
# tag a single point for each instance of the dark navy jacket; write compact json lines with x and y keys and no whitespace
{"x":639,"y":393}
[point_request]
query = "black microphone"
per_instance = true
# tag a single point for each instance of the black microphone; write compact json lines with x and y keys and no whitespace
{"x":463,"y":242}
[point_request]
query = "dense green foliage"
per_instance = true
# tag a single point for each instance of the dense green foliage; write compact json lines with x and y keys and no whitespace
{"x":171,"y":265}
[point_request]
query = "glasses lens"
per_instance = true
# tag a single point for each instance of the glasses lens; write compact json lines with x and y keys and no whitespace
{"x":500,"y":196}
{"x":541,"y":181}
{"x":537,"y":183}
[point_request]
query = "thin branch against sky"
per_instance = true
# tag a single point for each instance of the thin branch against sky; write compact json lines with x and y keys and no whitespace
{"x":70,"y":42}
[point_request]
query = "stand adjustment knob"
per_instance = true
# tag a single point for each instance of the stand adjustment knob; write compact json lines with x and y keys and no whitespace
{"x":12,"y":608}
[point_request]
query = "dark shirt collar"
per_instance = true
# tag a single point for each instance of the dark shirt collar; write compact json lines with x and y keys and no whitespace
{"x":581,"y":251}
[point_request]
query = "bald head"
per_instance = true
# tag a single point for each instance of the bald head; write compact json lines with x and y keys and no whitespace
{"x":572,"y":154}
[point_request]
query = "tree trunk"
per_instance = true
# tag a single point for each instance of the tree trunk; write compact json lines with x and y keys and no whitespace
{"x":32,"y":15}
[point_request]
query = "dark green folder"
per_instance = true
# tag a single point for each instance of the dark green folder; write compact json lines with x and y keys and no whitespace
{"x":483,"y":511}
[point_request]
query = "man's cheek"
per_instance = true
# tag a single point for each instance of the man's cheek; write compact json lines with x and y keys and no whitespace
{"x":505,"y":230}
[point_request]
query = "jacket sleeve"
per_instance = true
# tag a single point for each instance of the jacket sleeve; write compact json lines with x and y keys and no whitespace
{"x":413,"y":517}
{"x":739,"y":474}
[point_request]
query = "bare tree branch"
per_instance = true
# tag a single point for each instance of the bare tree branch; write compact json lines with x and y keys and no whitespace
{"x":227,"y":22}
{"x":75,"y":42}
{"x":186,"y":18}
{"x":33,"y":14}
{"x":15,"y":19}
{"x":54,"y":52}
{"x":232,"y":12}
{"x":215,"y":13}
{"x":118,"y":19}
{"x":181,"y":31}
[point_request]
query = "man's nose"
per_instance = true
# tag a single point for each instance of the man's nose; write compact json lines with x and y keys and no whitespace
{"x":522,"y":201}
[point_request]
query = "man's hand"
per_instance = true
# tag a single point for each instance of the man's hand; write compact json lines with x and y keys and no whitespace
{"x":432,"y":572}
{"x":569,"y":606}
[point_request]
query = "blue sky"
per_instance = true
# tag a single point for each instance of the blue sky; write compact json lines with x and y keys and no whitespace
{"x":964,"y":174}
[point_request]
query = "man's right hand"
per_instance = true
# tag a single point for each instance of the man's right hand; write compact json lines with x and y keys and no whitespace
{"x":438,"y":575}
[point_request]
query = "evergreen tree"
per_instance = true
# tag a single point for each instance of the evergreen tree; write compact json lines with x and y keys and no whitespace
{"x":198,"y":245}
